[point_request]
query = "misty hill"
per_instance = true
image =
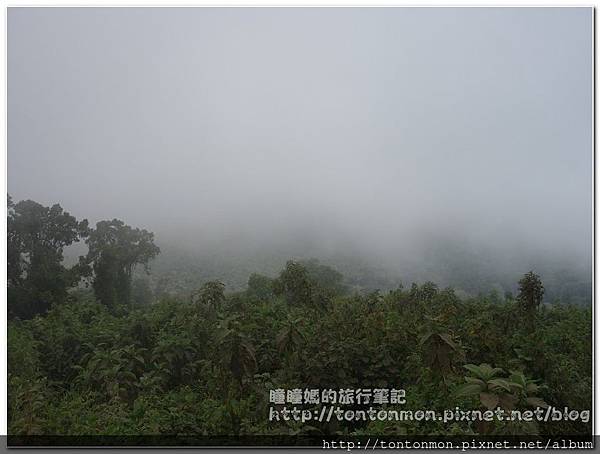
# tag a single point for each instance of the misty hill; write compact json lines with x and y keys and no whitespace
{"x":179,"y":269}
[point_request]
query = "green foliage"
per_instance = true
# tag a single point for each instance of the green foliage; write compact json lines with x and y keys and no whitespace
{"x":238,"y":355}
{"x":290,"y":338}
{"x":440,"y":348}
{"x":300,"y":289}
{"x":23,"y":351}
{"x":423,"y":293}
{"x":124,"y":361}
{"x":324,"y":276}
{"x":260,"y":286}
{"x":210,"y":296}
{"x":531,"y":293}
{"x":36,"y":238}
{"x":27,"y":405}
{"x":114,"y":251}
{"x":494,"y":390}
{"x":294,"y":284}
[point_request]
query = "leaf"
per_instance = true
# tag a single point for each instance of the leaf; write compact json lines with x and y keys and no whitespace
{"x":425,"y":337}
{"x":130,"y":375}
{"x":468,"y":389}
{"x":476,"y":381}
{"x":501,"y":383}
{"x":489,"y":400}
{"x":446,"y":338}
{"x":536,"y":402}
{"x":518,"y":378}
{"x":474,"y":370}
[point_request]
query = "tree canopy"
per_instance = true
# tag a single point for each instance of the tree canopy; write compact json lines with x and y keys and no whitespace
{"x":36,"y":238}
{"x":115,"y":249}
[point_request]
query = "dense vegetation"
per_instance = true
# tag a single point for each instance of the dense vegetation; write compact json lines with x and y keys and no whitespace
{"x":118,"y":357}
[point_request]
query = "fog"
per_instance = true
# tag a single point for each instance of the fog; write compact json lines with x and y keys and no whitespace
{"x":369,"y":132}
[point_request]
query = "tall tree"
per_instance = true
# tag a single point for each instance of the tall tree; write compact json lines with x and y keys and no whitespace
{"x":210,"y":296}
{"x":115,"y":249}
{"x":294,"y":283}
{"x":324,"y":276}
{"x":36,"y":238}
{"x":531,"y":293}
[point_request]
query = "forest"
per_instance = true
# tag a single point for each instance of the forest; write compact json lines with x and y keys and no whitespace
{"x":95,"y":350}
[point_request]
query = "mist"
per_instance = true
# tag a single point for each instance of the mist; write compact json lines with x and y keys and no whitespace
{"x":416,"y":140}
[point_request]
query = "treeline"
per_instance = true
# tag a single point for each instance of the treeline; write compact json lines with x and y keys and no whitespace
{"x":36,"y":239}
{"x":92,"y":362}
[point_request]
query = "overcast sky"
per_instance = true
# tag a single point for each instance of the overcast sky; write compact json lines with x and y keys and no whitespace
{"x":260,"y":123}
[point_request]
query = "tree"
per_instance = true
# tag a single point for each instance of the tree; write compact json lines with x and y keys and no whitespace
{"x":260,"y":286}
{"x":237,"y":352}
{"x":115,"y":249}
{"x":293,"y":282}
{"x":531,"y":293}
{"x":290,"y":338}
{"x":424,"y":293}
{"x":36,"y":238}
{"x":210,"y":296}
{"x":440,"y":347}
{"x":324,"y":276}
